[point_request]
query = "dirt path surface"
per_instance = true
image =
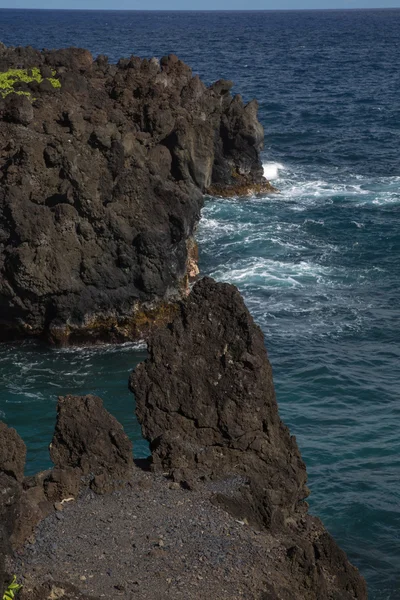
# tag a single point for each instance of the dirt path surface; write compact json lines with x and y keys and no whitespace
{"x":151,"y":541}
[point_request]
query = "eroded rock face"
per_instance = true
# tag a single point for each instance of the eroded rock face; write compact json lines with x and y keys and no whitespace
{"x":89,"y":448}
{"x":12,"y":453}
{"x":205,"y":399}
{"x":10,"y":492}
{"x":102,"y":172}
{"x":92,"y":442}
{"x":12,"y":465}
{"x":206,"y":402}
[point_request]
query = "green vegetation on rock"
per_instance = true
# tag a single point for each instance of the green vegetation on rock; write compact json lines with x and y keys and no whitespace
{"x":9,"y":78}
{"x":12,"y":590}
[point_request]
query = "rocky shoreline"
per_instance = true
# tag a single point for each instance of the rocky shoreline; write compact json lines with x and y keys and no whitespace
{"x":222,"y":510}
{"x":103,"y":169}
{"x":103,"y":173}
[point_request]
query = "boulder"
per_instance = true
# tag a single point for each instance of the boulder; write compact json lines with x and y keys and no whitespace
{"x":18,"y":109}
{"x":61,"y":484}
{"x":92,"y":442}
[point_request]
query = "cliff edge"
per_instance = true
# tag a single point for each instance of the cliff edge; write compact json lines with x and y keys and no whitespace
{"x":221,"y":513}
{"x":103,"y":168}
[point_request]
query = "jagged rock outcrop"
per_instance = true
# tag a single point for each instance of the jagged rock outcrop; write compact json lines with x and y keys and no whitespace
{"x":92,"y":442}
{"x":89,"y":448}
{"x":12,"y":465}
{"x":206,"y":402}
{"x":10,"y":492}
{"x":293,"y":558}
{"x":12,"y":453}
{"x":103,"y":170}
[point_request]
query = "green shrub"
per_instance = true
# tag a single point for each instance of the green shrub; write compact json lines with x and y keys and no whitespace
{"x":9,"y":78}
{"x":12,"y":590}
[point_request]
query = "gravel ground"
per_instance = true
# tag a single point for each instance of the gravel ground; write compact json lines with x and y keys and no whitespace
{"x":152,"y":541}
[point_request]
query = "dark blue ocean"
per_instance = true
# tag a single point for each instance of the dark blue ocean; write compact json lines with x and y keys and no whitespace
{"x":318,"y":264}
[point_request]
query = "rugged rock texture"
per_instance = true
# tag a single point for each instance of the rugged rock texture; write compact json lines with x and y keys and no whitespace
{"x":12,"y":464}
{"x":153,"y":538}
{"x":206,"y":402}
{"x":10,"y":492}
{"x":103,"y":169}
{"x":91,"y":442}
{"x":89,"y":448}
{"x":52,"y":590}
{"x":12,"y":453}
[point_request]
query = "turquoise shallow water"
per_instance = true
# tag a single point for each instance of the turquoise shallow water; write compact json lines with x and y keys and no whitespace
{"x":318,"y":264}
{"x":32,"y":377}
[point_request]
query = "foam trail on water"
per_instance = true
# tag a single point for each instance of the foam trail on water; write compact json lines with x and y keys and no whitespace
{"x":271,"y":170}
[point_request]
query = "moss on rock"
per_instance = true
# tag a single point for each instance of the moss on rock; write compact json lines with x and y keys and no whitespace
{"x":8,"y":80}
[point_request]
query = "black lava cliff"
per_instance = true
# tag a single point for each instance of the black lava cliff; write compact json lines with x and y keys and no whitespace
{"x":205,"y":399}
{"x":206,"y":402}
{"x":103,"y":170}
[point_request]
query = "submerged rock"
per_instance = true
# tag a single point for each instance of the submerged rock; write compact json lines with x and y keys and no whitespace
{"x":103,"y":170}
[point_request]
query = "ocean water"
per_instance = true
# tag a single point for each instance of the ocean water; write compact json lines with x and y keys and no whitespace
{"x":318,"y":263}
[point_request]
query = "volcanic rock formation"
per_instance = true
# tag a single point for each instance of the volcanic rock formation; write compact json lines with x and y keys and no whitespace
{"x":206,"y":402}
{"x":92,"y":442}
{"x":12,"y":453}
{"x":12,"y":463}
{"x":103,"y":169}
{"x":212,"y":420}
{"x":89,"y":448}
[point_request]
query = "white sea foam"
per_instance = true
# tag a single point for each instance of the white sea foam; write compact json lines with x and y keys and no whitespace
{"x":308,"y":191}
{"x":284,"y":262}
{"x":86,"y":351}
{"x":311,"y":191}
{"x":264,"y":272}
{"x":282,"y":242}
{"x":314,"y":221}
{"x":271,"y":170}
{"x":220,"y":226}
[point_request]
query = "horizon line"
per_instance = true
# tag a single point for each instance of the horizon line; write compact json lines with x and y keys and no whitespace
{"x":211,"y":10}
